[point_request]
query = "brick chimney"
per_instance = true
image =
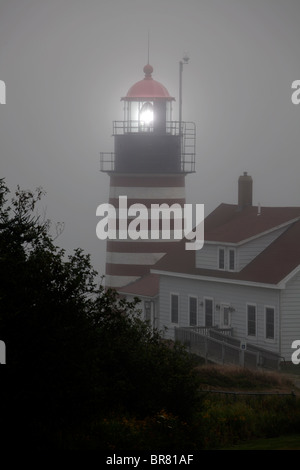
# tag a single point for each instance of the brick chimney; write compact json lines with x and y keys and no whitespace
{"x":245,"y":191}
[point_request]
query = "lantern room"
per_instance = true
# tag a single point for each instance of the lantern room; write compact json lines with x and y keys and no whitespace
{"x":147,"y":105}
{"x":148,"y":140}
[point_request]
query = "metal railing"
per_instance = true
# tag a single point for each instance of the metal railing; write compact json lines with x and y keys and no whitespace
{"x":134,"y":127}
{"x":208,"y":330}
{"x":107,"y":162}
{"x":187,"y":142}
{"x":217,"y":345}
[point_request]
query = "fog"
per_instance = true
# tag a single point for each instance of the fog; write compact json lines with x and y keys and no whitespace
{"x":67,"y":63}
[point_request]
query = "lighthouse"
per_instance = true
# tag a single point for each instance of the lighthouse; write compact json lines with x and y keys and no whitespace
{"x":151,"y":158}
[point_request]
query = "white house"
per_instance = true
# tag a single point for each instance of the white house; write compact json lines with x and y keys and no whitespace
{"x":246,"y":277}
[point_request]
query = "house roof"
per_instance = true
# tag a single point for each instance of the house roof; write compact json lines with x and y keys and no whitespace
{"x":147,"y":88}
{"x":278,"y":260}
{"x":227,"y":224}
{"x":147,"y":286}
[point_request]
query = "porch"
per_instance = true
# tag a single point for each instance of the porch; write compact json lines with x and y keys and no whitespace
{"x":219,"y":346}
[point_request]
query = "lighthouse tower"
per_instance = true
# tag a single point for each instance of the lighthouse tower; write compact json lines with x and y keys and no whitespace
{"x":152,"y":155}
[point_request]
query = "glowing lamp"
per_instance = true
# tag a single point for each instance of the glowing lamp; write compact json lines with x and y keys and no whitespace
{"x":146,"y":114}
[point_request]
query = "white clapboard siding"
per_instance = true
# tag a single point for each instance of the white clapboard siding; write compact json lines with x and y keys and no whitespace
{"x":290,"y":316}
{"x":207,"y":257}
{"x":248,"y":251}
{"x":235,"y":295}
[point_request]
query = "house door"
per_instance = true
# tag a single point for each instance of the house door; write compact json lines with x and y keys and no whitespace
{"x":225,"y":319}
{"x":208,"y":312}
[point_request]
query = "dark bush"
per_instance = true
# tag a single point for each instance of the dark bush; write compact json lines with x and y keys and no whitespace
{"x":75,"y":351}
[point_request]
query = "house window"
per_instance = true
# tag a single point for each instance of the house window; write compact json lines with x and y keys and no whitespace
{"x":251,"y":320}
{"x":221,"y":258}
{"x":174,"y":308}
{"x":208,"y":310}
{"x":193,"y":310}
{"x":231,"y":260}
{"x":270,"y":322}
{"x":147,"y":306}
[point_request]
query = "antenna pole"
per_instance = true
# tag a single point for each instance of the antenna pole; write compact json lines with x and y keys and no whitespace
{"x":182,"y":62}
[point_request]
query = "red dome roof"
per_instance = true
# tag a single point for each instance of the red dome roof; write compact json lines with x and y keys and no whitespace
{"x":147,"y":88}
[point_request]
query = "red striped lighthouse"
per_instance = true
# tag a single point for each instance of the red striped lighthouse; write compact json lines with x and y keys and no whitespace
{"x":152,"y":155}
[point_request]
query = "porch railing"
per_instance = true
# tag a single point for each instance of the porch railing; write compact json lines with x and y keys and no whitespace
{"x":218,"y":346}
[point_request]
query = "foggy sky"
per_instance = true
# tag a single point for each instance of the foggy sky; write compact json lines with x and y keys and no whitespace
{"x":67,"y":63}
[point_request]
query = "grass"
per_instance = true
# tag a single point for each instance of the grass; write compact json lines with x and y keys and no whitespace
{"x":278,"y":443}
{"x":239,"y":379}
{"x":290,"y":368}
{"x":244,"y":421}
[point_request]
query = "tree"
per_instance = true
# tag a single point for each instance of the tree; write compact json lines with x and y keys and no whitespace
{"x":141,"y":371}
{"x":44,"y":306}
{"x":75,"y":351}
